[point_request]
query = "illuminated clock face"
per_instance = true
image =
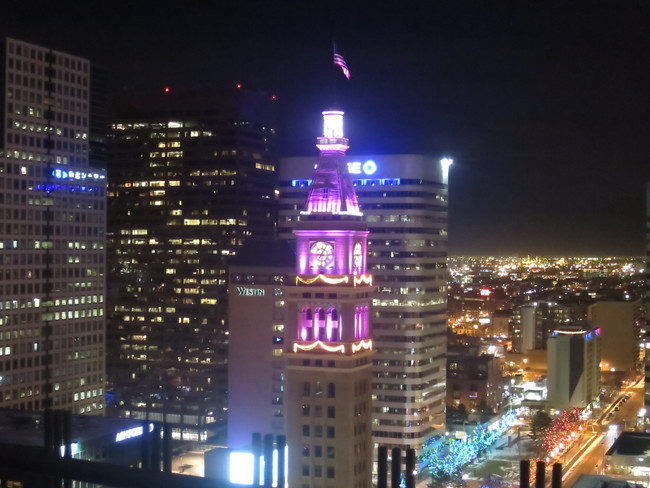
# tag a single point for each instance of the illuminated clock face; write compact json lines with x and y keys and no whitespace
{"x":357,"y":256}
{"x":322,"y":254}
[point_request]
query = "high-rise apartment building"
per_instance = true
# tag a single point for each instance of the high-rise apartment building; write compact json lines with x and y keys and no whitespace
{"x":329,"y":350}
{"x":404,"y":201}
{"x":52,"y":232}
{"x":192,"y":176}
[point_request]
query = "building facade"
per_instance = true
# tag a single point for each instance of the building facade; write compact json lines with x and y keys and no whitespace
{"x":256,"y":340}
{"x":329,"y":348}
{"x":474,"y":379}
{"x":193,"y":176}
{"x":404,"y":202}
{"x":620,"y":325}
{"x":536,"y":321}
{"x":646,"y":399}
{"x":573,"y":367}
{"x":52,"y":234}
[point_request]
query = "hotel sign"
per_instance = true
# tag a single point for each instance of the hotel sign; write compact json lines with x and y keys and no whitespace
{"x":131,"y":433}
{"x":245,"y":291}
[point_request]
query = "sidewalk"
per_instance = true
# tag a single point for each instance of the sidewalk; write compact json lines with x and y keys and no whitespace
{"x":502,"y":460}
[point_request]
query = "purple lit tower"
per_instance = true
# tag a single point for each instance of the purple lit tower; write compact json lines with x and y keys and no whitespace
{"x":329,"y":351}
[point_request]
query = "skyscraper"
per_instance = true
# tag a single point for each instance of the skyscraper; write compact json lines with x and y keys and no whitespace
{"x":52,"y":231}
{"x":329,"y":350}
{"x":192,"y":176}
{"x":404,"y":201}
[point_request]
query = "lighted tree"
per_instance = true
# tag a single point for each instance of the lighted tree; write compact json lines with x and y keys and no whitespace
{"x":562,"y":431}
{"x":539,"y":423}
{"x":444,"y":457}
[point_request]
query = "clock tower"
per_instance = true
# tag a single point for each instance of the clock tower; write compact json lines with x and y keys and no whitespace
{"x":329,"y":351}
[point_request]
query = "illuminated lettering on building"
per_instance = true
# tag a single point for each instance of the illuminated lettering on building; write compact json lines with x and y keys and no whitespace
{"x":131,"y":433}
{"x":61,"y":174}
{"x":244,"y":291}
{"x":357,"y":167}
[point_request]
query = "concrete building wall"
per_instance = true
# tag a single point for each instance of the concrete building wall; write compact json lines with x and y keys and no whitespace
{"x":620,"y":325}
{"x":528,"y":328}
{"x":256,"y":372}
{"x":573,"y":371}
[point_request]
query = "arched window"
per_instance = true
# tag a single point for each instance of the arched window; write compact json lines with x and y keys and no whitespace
{"x":306,"y":331}
{"x":364,"y":322}
{"x":358,"y":317}
{"x":333,"y":326}
{"x":319,"y":325}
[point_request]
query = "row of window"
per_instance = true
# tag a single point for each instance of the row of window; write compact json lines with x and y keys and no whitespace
{"x":317,"y":471}
{"x":318,"y":431}
{"x":37,"y":53}
{"x":317,"y":411}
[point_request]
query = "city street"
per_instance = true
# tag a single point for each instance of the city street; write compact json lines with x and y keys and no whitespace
{"x":585,"y":456}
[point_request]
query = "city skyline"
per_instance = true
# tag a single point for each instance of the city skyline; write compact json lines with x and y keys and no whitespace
{"x":541,"y":108}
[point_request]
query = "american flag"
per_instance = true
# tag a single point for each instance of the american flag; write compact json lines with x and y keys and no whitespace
{"x":339,"y":61}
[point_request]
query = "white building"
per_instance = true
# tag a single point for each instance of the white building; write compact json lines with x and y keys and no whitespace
{"x":256,"y":340}
{"x":52,"y":232}
{"x":573,"y":367}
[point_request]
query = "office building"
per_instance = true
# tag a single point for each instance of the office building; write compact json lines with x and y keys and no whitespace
{"x":329,"y":350}
{"x":573,"y":367}
{"x":474,"y":378}
{"x":535,"y":322}
{"x":404,"y":201}
{"x":627,"y":461}
{"x":620,"y":325}
{"x":500,"y":324}
{"x":52,"y":232}
{"x":193,"y":175}
{"x":256,"y":340}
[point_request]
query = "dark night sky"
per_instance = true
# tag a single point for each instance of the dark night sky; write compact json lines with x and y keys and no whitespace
{"x":544,"y":107}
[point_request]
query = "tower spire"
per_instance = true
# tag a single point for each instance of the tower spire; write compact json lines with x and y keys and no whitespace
{"x":332,"y":191}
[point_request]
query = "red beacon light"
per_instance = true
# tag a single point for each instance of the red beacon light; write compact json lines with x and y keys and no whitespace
{"x":167,"y":89}
{"x":273,"y":97}
{"x":238,"y":85}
